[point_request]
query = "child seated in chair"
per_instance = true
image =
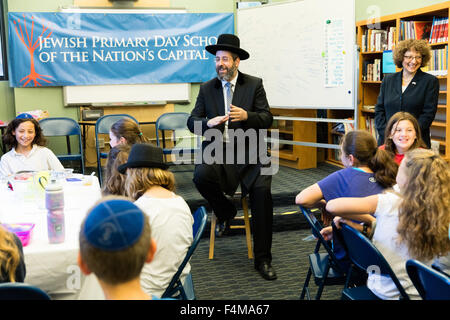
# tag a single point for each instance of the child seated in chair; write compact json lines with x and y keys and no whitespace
{"x":12,"y":263}
{"x":402,"y":135}
{"x":151,"y":185}
{"x":368,"y":170}
{"x":125,"y":131}
{"x":115,"y":242}
{"x":114,"y":181}
{"x":411,"y":224}
{"x":28,"y":152}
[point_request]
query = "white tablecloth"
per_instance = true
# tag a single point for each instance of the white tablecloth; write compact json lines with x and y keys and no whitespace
{"x":53,"y":267}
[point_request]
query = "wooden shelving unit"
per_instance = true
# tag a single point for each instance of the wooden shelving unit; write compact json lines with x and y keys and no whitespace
{"x":295,"y":156}
{"x":368,"y":90}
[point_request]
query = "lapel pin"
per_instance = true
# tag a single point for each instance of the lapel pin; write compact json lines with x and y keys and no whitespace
{"x":413,"y":83}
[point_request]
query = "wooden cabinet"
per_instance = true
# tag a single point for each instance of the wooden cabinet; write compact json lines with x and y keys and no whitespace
{"x":295,"y":156}
{"x":370,"y":42}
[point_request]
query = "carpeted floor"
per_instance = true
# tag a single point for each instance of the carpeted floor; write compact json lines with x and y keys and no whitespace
{"x":231,"y":275}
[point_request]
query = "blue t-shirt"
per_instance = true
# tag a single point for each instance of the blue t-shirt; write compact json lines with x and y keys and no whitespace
{"x":348,"y":182}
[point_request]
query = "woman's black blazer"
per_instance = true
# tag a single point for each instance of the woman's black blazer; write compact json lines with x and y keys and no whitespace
{"x":420,"y":99}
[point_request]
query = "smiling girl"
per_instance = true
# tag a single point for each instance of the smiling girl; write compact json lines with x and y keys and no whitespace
{"x":24,"y":137}
{"x":402,"y":134}
{"x":410,"y":89}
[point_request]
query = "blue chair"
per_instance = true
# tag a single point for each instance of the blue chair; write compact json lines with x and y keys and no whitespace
{"x":174,"y":121}
{"x":364,"y":255}
{"x":175,"y":289}
{"x":21,"y":291}
{"x":102,"y":126}
{"x":323,"y":266}
{"x":430,"y":283}
{"x":54,"y":127}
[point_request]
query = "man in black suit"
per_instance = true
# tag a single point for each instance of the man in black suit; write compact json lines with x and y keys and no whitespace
{"x":235,"y":101}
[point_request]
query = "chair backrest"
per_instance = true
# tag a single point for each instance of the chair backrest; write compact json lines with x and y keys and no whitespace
{"x":431,"y":284}
{"x":171,"y":121}
{"x":21,"y":291}
{"x":105,"y":122}
{"x":316,"y":226}
{"x":200,"y":217}
{"x":59,"y":127}
{"x":365,"y":255}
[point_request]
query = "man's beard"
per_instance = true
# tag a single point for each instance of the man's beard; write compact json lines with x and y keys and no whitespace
{"x":228,"y":75}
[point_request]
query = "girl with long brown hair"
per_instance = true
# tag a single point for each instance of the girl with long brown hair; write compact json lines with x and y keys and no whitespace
{"x":411,"y":223}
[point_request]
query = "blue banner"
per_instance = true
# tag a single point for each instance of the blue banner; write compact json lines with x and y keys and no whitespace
{"x":63,"y":49}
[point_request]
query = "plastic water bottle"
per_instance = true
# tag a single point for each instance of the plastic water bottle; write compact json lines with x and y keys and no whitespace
{"x":54,"y":202}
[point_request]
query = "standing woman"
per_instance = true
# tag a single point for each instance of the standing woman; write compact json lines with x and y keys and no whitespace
{"x":410,"y":89}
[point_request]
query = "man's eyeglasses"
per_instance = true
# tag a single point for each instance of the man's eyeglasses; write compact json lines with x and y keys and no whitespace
{"x":409,"y":58}
{"x":224,"y":59}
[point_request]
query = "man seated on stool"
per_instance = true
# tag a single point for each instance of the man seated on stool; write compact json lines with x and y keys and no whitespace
{"x":115,"y":242}
{"x":234,"y":100}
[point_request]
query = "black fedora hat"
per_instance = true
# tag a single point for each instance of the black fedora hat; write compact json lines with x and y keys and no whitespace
{"x":228,"y":42}
{"x":144,"y":155}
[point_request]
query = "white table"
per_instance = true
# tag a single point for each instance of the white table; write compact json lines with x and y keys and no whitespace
{"x":53,"y":267}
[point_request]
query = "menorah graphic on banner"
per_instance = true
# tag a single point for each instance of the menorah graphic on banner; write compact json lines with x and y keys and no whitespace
{"x":27,"y":39}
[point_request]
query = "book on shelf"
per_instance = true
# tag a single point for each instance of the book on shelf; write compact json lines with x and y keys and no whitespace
{"x":415,"y":30}
{"x":371,"y":70}
{"x":368,"y":108}
{"x":378,"y":39}
{"x":439,"y":30}
{"x":370,"y":126}
{"x":438,"y":64}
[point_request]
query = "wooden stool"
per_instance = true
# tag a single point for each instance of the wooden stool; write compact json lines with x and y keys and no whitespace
{"x":246,"y":226}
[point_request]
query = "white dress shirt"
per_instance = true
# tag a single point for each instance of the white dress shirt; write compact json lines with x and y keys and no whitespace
{"x":224,"y":88}
{"x":38,"y":159}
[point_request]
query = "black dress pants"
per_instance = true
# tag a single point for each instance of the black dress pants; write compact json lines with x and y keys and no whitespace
{"x":214,"y":180}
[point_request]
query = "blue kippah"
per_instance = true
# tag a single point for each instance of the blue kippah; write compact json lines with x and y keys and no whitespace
{"x":114,"y":225}
{"x":24,"y":116}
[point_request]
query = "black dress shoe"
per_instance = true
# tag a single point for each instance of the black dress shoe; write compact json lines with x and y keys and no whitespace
{"x":266,"y":271}
{"x":222,"y":228}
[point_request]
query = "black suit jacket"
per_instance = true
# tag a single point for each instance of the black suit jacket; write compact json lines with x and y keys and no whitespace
{"x":420,"y":99}
{"x":250,"y":95}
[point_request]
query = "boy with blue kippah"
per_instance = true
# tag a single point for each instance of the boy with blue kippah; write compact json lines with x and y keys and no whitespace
{"x":115,"y":242}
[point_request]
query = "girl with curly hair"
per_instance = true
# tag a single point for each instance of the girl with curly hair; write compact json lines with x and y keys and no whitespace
{"x":12,"y":264}
{"x":410,"y":89}
{"x":411,"y":223}
{"x":28,"y":152}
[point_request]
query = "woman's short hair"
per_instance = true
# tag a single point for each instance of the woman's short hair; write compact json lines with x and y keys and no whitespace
{"x":421,"y":46}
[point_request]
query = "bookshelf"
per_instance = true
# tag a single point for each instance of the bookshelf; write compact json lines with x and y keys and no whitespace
{"x":295,"y":156}
{"x":376,"y":36}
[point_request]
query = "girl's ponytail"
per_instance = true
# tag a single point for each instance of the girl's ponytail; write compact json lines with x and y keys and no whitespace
{"x":384,"y":168}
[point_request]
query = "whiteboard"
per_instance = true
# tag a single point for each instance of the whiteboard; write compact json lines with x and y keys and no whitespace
{"x":303,"y":50}
{"x":126,"y":94}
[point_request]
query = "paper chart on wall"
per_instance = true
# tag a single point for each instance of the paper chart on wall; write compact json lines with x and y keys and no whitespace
{"x":334,"y":54}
